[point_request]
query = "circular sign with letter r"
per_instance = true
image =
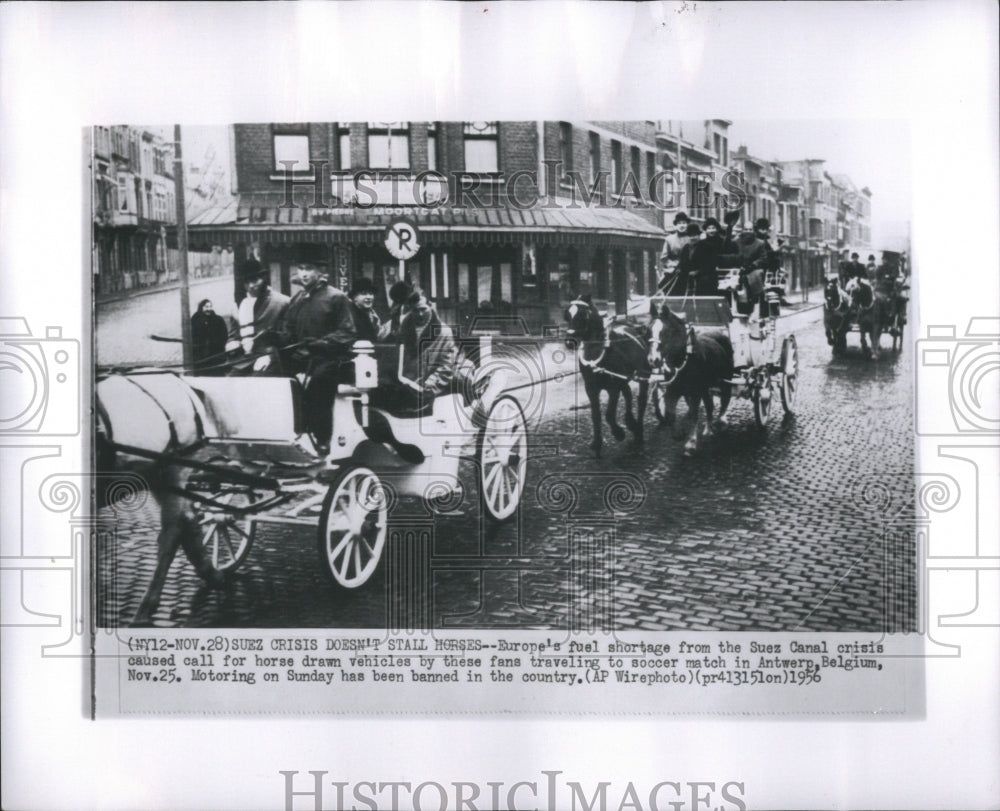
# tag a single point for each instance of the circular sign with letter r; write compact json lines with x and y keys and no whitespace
{"x":401,"y":239}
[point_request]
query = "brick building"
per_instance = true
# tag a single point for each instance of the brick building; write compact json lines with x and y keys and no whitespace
{"x":511,"y":217}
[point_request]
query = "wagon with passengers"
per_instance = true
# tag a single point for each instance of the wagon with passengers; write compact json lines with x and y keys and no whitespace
{"x":223,"y":455}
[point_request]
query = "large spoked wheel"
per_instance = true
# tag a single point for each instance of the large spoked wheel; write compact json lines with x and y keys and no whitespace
{"x":659,"y":397}
{"x":352,"y":527}
{"x":762,"y":399}
{"x":789,"y":373}
{"x":228,"y":536}
{"x":503,"y":458}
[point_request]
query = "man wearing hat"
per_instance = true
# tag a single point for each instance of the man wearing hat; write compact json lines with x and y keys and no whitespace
{"x":855,"y":270}
{"x":670,"y":256}
{"x":316,"y":334}
{"x":260,"y":311}
{"x":366,"y":321}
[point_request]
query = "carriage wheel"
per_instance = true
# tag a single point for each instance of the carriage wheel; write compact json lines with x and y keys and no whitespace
{"x":352,"y":527}
{"x":659,"y":402}
{"x":762,"y":399}
{"x":789,"y":373}
{"x":503,"y":458}
{"x":228,"y":537}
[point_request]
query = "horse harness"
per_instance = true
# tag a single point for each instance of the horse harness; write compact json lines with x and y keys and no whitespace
{"x":594,"y":365}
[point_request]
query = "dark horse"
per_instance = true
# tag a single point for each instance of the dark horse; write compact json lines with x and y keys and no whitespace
{"x":871,"y":312}
{"x":609,"y":360}
{"x":836,"y":315}
{"x":693,"y":365}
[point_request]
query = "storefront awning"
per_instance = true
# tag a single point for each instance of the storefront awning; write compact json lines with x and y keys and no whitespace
{"x":263,"y":219}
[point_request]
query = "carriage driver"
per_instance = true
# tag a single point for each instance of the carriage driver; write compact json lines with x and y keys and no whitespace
{"x":316,"y":334}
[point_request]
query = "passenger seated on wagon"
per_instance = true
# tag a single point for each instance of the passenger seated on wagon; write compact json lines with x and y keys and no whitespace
{"x":430,"y":359}
{"x":430,"y":363}
{"x":316,"y":334}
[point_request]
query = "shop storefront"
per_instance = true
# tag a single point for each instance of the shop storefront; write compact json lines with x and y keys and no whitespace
{"x":515,"y":270}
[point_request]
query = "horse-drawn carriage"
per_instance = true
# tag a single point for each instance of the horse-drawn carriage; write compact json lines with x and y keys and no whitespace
{"x":223,"y":455}
{"x":741,"y":355}
{"x":869,"y":308}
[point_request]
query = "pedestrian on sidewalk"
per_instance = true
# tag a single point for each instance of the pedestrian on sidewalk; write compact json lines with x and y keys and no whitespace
{"x":208,"y":339}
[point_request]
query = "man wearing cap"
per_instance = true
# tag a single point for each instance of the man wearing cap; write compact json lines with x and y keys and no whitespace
{"x":316,"y":334}
{"x":260,"y":311}
{"x":670,"y":256}
{"x":366,"y":321}
{"x":871,"y":267}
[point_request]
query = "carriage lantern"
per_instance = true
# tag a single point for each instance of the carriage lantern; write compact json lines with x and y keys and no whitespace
{"x":365,"y":366}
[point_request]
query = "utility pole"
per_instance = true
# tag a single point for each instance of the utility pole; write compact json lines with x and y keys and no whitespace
{"x":182,"y":249}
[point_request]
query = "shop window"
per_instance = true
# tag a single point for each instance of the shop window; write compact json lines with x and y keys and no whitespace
{"x":463,"y":282}
{"x":481,"y":139}
{"x":484,"y":286}
{"x":389,"y":144}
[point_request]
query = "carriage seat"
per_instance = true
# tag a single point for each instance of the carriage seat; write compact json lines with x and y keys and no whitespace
{"x":264,"y":408}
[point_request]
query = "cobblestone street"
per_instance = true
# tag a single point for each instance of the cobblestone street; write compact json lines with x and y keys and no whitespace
{"x":780,"y":529}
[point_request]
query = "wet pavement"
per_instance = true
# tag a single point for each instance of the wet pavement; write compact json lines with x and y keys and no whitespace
{"x":782,"y":528}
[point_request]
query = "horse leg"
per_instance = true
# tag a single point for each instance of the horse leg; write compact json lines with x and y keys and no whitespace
{"x":709,"y":408}
{"x":630,"y":421}
{"x":670,"y":399}
{"x":691,"y":445}
{"x":641,"y":409}
{"x":617,"y":431}
{"x":724,"y":395}
{"x":172,"y":528}
{"x":864,"y":340}
{"x":594,"y":395}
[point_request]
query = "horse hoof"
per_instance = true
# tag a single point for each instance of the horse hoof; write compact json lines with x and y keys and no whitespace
{"x":618,"y":432}
{"x":595,"y":448}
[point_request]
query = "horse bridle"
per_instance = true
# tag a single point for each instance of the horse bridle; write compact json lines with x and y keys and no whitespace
{"x":594,"y":365}
{"x":688,"y":352}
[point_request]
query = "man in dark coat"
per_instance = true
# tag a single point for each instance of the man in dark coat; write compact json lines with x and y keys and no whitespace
{"x":366,"y":322}
{"x":855,"y":270}
{"x":707,"y":256}
{"x":317,"y":332}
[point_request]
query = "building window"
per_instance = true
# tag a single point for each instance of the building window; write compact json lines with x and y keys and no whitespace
{"x":595,"y":156}
{"x":635,"y":155}
{"x":566,"y":147}
{"x":102,"y":141}
{"x":721,"y":144}
{"x":481,"y":147}
{"x":389,"y":144}
{"x":616,"y":165}
{"x":650,"y":168}
{"x":432,"y":147}
{"x":343,"y":147}
{"x":291,"y":152}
